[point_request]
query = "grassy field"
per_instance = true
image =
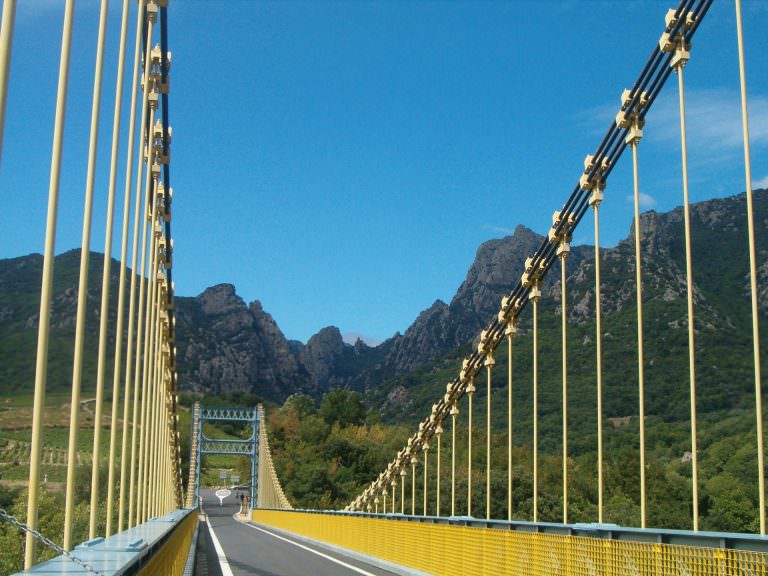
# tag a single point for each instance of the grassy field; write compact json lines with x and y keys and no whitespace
{"x":16,"y":436}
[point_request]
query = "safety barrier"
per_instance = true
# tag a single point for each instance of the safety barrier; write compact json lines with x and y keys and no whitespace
{"x":159,"y":546}
{"x":467,"y":547}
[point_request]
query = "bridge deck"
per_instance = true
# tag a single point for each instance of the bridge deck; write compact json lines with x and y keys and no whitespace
{"x":250,"y":549}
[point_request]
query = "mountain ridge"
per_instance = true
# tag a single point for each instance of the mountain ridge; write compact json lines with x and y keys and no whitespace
{"x":226,"y":344}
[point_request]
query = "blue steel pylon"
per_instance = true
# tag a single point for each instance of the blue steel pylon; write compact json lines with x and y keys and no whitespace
{"x":204,"y":445}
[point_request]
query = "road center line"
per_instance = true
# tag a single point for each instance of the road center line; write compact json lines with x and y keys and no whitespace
{"x":223,"y":562}
{"x":308,"y":549}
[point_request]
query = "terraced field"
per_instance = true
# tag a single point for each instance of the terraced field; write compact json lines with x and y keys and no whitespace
{"x":16,"y":436}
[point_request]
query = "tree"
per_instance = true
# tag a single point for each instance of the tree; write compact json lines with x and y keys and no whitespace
{"x":343,"y":407}
{"x":301,"y":404}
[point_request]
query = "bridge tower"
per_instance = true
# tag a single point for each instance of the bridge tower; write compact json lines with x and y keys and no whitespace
{"x":201,"y":445}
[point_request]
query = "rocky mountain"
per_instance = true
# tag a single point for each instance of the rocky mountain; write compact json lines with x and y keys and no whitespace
{"x":720,"y":268}
{"x":225,"y":344}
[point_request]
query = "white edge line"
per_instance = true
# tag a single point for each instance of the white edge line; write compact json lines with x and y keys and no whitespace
{"x":308,"y":549}
{"x":223,"y":562}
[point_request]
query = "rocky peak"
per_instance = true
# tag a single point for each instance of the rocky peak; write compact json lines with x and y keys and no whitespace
{"x":321,"y":355}
{"x":220,"y":299}
{"x":226,"y":345}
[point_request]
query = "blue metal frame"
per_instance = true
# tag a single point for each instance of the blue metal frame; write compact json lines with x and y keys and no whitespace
{"x":248,"y":447}
{"x":234,"y":414}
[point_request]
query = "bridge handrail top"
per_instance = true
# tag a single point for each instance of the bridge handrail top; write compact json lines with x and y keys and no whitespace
{"x":706,"y":539}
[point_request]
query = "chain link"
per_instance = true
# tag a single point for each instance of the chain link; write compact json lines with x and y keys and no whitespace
{"x":37,"y":536}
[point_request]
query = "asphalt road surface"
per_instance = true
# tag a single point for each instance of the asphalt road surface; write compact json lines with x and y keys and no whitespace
{"x":249,"y":549}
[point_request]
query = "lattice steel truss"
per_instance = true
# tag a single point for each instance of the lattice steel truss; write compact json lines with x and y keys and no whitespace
{"x":248,"y":447}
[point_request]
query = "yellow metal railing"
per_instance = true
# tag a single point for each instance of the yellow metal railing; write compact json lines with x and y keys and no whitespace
{"x":171,"y":558}
{"x":270,"y":493}
{"x":451,"y":550}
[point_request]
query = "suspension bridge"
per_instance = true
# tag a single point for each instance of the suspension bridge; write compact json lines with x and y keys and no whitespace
{"x":409,"y":519}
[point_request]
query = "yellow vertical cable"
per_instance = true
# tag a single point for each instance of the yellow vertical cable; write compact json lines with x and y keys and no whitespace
{"x":678,"y":63}
{"x":98,"y":409}
{"x":154,"y":444}
{"x":41,"y":362}
{"x":143,"y":279}
{"x":509,"y":332}
{"x":150,"y":102}
{"x":6,"y":42}
{"x":164,"y":419}
{"x":470,"y":394}
{"x":439,"y":434}
{"x":454,"y":413}
{"x":426,"y":475}
{"x":640,"y":350}
{"x":563,"y":250}
{"x":489,"y":362}
{"x":402,"y":490}
{"x":594,"y":201}
{"x":156,"y":485}
{"x":145,"y":316}
{"x":752,"y":268}
{"x":108,"y":262}
{"x":535,"y":295}
{"x":166,"y":414}
{"x":152,"y":484}
{"x":148,"y":437}
{"x":150,"y":355}
{"x":149,"y":493}
{"x":413,"y":486}
{"x":137,"y":217}
{"x":163,"y":413}
{"x":161,"y":417}
{"x":77,"y":369}
{"x":149,"y":342}
{"x":155,"y":369}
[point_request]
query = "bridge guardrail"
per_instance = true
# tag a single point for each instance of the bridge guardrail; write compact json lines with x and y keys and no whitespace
{"x":158,"y":546}
{"x":464,"y":546}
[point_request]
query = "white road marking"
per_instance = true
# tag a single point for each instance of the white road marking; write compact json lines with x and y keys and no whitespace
{"x":223,"y":562}
{"x":308,"y":549}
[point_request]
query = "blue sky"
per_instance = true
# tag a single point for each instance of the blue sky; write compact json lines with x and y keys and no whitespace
{"x":342,"y":161}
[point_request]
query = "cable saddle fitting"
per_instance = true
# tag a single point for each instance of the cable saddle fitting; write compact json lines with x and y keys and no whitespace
{"x":509,"y":310}
{"x":677,"y":43}
{"x":532,"y":277}
{"x":562,"y":225}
